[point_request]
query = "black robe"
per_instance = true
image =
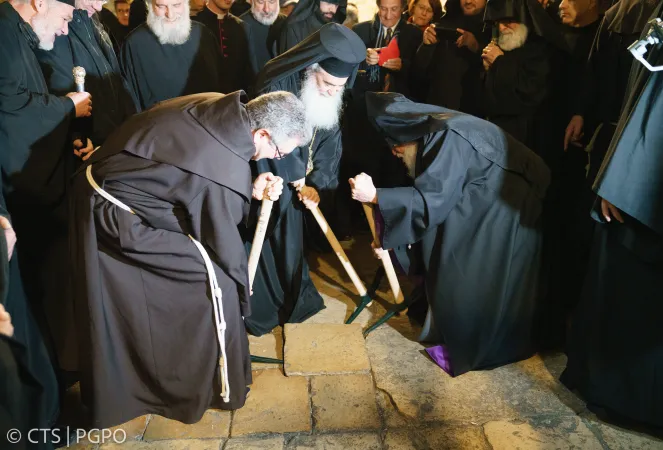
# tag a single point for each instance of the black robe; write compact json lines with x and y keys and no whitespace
{"x":28,"y":388}
{"x":475,"y":211}
{"x":446,"y":75}
{"x":159,"y":72}
{"x":615,"y":347}
{"x":239,"y":7}
{"x":150,"y":342}
{"x":232,"y":40}
{"x":117,"y":32}
{"x":305,"y":20}
{"x":88,"y":46}
{"x":36,"y":167}
{"x":515,"y":87}
{"x":262,"y":41}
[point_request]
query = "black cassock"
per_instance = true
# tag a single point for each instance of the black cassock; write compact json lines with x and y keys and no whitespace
{"x":28,"y":388}
{"x":282,"y":289}
{"x":615,"y":348}
{"x":148,"y":335}
{"x":36,"y":167}
{"x":475,"y":211}
{"x":231,"y":37}
{"x":89,"y":46}
{"x":159,"y":72}
{"x":305,"y":20}
{"x":262,"y":41}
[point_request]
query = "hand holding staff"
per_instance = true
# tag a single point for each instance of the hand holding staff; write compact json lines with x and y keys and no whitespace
{"x":268,"y":188}
{"x":364,"y":191}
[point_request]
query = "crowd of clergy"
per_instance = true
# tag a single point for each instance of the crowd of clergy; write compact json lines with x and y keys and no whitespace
{"x":509,"y":149}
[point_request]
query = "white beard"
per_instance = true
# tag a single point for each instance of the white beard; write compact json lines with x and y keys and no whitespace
{"x":43,"y":31}
{"x":265,"y":19}
{"x":321,"y":111}
{"x":409,"y":159}
{"x":175,"y":33}
{"x":513,"y":40}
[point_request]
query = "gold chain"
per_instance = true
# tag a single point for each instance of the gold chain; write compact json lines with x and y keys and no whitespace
{"x":309,"y":166}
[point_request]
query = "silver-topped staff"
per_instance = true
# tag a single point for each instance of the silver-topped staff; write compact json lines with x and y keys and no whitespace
{"x":79,"y":78}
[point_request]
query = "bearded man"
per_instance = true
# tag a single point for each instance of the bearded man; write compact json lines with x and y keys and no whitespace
{"x":317,"y":70}
{"x":262,"y":24}
{"x":36,"y":165}
{"x":469,"y":222}
{"x":307,"y":17}
{"x":170,"y":55}
{"x":517,"y":67}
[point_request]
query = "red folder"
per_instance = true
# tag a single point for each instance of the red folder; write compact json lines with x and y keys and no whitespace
{"x":391,"y":51}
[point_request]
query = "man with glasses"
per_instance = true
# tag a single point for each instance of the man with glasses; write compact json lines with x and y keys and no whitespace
{"x":262,"y":25}
{"x":161,"y":271}
{"x":317,"y":71}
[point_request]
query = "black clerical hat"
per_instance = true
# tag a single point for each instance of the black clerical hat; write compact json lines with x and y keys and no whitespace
{"x":336,"y":48}
{"x":68,"y":2}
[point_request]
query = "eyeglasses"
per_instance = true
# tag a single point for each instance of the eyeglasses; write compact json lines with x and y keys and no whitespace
{"x":279,"y":155}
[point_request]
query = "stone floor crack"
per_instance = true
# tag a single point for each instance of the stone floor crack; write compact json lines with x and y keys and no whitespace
{"x":483,"y":433}
{"x":596,"y":432}
{"x":392,"y":401}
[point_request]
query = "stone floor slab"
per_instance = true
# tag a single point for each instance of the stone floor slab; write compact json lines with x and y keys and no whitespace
{"x":422,"y":391}
{"x":541,"y":434}
{"x":437,"y":437}
{"x":276,"y":404}
{"x":344,"y":441}
{"x":622,"y":439}
{"x":324,"y":349}
{"x":269,"y":346}
{"x":344,"y":402}
{"x":184,"y":444}
{"x":273,"y":443}
{"x":214,"y":424}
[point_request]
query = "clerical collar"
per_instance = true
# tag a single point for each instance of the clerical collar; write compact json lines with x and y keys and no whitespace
{"x":218,"y":15}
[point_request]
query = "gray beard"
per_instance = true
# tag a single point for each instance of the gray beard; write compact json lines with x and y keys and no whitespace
{"x":174,"y":33}
{"x":514,"y":40}
{"x":409,"y":159}
{"x":321,"y":112}
{"x":265,"y":20}
{"x":41,"y":28}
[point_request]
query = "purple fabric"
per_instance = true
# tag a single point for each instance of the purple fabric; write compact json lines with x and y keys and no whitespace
{"x":441,"y":356}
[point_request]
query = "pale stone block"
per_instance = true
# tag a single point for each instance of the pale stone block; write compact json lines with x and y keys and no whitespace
{"x":276,"y":404}
{"x":344,"y":402}
{"x":325,"y":349}
{"x":274,"y":443}
{"x":184,"y":444}
{"x":345,"y":441}
{"x":214,"y":424}
{"x":438,"y":437}
{"x":541,"y":434}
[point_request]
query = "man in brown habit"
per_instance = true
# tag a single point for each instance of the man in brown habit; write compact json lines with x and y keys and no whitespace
{"x":161,"y":272}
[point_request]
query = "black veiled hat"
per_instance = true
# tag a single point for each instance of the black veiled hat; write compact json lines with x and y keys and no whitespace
{"x":68,"y":2}
{"x":336,"y":48}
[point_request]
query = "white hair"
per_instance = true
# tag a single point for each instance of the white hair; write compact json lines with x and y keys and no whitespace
{"x":174,"y":32}
{"x":265,"y":19}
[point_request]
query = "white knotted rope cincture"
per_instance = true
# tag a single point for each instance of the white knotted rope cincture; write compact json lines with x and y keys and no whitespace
{"x":217,"y":298}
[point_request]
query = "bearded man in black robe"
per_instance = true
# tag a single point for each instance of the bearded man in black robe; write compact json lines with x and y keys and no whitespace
{"x":170,"y":55}
{"x":473,"y":215}
{"x":317,"y":70}
{"x":516,"y":80}
{"x":161,"y":268}
{"x":307,"y":18}
{"x":615,"y":347}
{"x":262,"y":25}
{"x":231,"y":37}
{"x":89,"y":46}
{"x":37,"y":161}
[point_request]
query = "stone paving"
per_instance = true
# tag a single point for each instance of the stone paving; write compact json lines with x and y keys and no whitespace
{"x":383,"y":393}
